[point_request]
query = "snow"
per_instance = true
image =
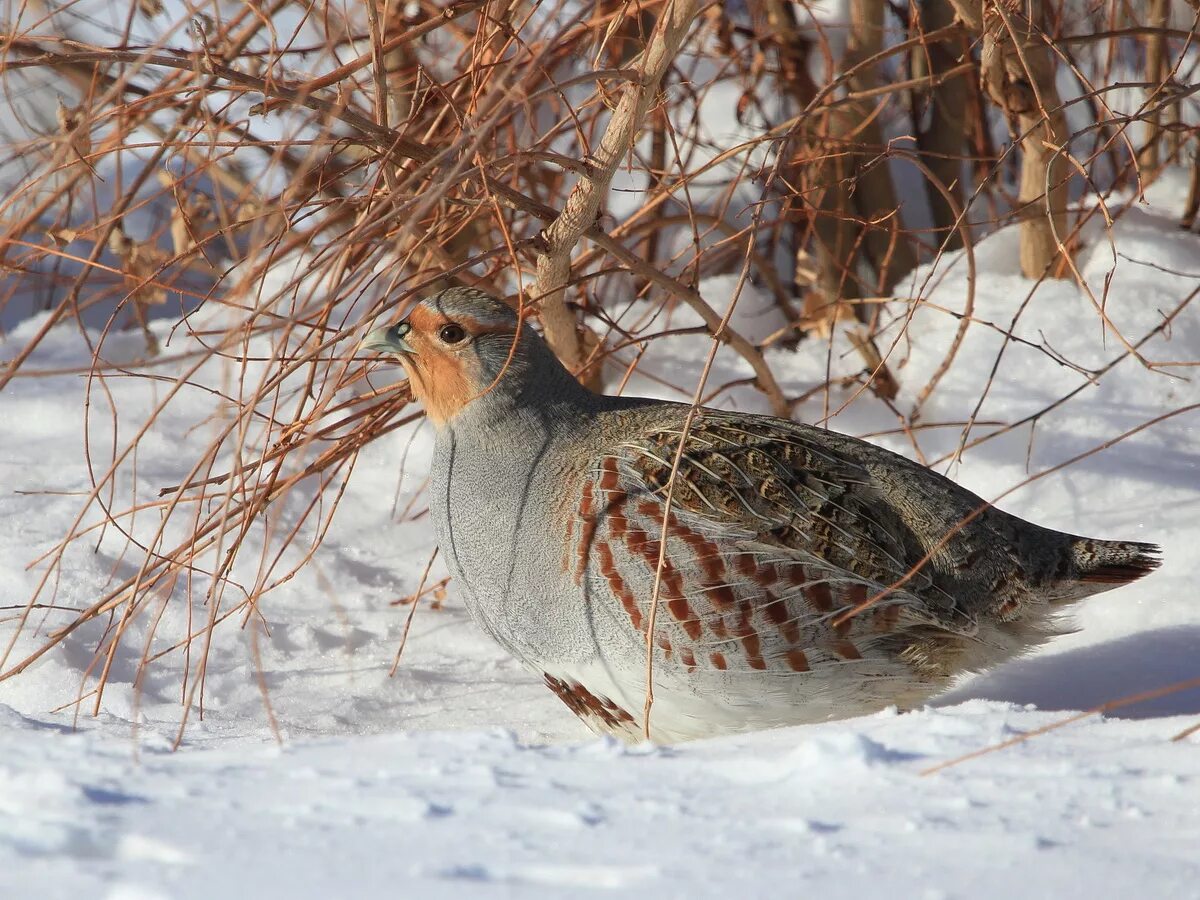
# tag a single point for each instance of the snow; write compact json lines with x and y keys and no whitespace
{"x":1102,"y":810}
{"x":462,"y":776}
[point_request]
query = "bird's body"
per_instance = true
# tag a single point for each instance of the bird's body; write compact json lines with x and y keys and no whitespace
{"x":806,"y":575}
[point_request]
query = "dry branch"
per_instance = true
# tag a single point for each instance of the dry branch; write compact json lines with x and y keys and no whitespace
{"x":583,"y":204}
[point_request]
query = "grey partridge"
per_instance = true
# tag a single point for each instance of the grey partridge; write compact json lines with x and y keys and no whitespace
{"x":806,"y":575}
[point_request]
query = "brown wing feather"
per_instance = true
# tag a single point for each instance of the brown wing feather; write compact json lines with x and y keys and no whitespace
{"x":769,"y":540}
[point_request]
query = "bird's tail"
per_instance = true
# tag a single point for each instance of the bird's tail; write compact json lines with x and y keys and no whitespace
{"x":1103,"y":565}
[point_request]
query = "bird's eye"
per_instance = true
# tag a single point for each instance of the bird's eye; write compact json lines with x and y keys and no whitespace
{"x":452,"y":333}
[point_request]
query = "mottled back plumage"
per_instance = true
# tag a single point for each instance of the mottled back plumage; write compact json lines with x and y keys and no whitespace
{"x":806,"y":576}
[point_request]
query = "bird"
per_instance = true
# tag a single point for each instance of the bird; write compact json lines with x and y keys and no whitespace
{"x":767,"y":573}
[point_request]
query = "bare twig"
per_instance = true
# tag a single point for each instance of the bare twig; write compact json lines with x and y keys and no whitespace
{"x":583,"y":203}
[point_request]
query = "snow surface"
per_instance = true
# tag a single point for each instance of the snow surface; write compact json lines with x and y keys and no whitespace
{"x":462,"y":776}
{"x":836,"y":811}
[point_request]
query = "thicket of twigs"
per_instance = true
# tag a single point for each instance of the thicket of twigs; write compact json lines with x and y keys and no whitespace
{"x":374,"y":152}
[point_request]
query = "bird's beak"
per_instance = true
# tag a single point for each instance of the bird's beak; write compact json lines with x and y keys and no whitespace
{"x":389,"y":340}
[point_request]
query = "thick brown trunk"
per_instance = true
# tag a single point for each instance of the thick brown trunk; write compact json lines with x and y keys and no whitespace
{"x":943,"y":142}
{"x":1018,"y":74}
{"x":1192,"y":209}
{"x":1156,"y":73}
{"x":836,"y":239}
{"x":821,"y":169}
{"x":891,"y":255}
{"x":823,"y":212}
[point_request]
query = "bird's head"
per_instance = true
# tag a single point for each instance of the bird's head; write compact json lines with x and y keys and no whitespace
{"x":463,"y":346}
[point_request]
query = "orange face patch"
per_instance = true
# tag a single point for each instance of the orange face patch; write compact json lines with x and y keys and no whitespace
{"x":444,"y":379}
{"x":440,"y":382}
